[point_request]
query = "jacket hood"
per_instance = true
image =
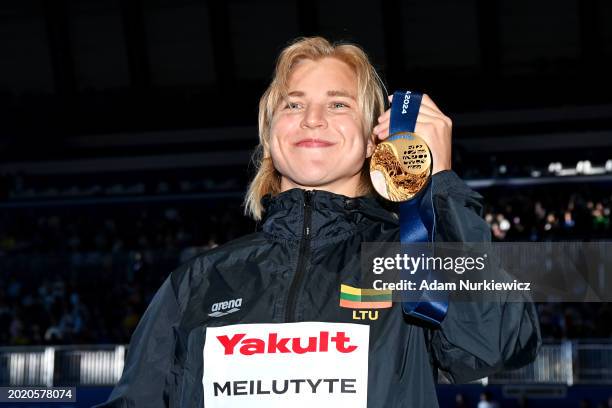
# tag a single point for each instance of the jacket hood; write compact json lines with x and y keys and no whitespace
{"x":332,"y":215}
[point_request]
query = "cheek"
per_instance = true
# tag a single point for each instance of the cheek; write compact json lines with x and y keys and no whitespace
{"x":276,"y":152}
{"x":276,"y":129}
{"x":282,"y":128}
{"x":354,"y":137}
{"x":279,"y":137}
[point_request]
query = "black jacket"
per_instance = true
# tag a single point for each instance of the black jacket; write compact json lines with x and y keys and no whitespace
{"x":291,"y":271}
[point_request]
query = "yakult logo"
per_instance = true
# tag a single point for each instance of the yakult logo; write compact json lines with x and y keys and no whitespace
{"x":249,"y":346}
{"x":265,"y":365}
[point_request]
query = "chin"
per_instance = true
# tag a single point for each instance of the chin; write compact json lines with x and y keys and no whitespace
{"x":312,"y":182}
{"x":312,"y":173}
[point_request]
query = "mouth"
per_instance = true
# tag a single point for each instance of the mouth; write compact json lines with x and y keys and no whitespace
{"x":313,"y":143}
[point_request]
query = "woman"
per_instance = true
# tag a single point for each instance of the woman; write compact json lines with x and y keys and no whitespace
{"x":258,"y":322}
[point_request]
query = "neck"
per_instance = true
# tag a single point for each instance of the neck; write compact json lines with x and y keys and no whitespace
{"x":348,"y":187}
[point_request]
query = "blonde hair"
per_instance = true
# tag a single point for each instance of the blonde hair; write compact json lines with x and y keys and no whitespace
{"x":370,"y":99}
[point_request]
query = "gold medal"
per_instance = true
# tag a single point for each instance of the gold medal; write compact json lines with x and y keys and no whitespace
{"x":400,"y":166}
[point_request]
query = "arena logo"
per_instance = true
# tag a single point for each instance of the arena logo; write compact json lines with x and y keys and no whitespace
{"x":224,"y":308}
{"x":274,"y":344}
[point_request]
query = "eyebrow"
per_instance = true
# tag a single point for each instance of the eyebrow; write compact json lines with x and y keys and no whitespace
{"x":340,"y":93}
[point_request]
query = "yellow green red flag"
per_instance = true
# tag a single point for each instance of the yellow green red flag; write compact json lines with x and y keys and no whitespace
{"x":356,"y":298}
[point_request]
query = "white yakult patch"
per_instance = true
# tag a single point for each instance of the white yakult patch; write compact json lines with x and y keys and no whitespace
{"x":308,"y":364}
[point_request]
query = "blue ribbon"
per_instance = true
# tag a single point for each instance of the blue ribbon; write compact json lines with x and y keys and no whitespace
{"x":416,"y":220}
{"x":404,"y":111}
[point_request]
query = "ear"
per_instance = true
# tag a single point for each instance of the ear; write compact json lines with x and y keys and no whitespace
{"x":371,"y":145}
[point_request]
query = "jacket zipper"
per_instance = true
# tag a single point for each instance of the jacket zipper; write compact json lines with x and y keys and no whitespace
{"x":302,"y":257}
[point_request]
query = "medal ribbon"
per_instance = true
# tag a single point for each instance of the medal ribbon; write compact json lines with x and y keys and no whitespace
{"x":416,"y":215}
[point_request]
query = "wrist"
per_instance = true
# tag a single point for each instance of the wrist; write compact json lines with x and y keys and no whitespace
{"x":440,"y":167}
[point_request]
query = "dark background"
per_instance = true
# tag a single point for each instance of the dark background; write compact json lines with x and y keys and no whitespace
{"x":124,"y":79}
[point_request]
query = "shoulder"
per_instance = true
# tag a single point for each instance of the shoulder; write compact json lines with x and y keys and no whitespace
{"x":196,"y":270}
{"x":447,"y":182}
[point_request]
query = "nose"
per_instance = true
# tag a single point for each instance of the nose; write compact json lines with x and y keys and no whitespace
{"x":314,"y":117}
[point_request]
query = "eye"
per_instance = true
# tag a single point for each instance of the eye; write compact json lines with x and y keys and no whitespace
{"x":292,"y":105}
{"x":339,"y":105}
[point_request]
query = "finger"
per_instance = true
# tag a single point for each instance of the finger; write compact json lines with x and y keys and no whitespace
{"x":430,"y":111}
{"x":383,"y":124}
{"x":425,"y":122}
{"x":385,"y":116}
{"x":382,"y":129}
{"x":383,"y":133}
{"x":425,"y":130}
{"x":427,"y":106}
{"x":435,"y":113}
{"x":427,"y":118}
{"x":427,"y":101}
{"x":423,"y":108}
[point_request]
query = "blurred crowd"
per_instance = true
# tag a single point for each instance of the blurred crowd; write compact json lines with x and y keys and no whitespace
{"x":488,"y":400}
{"x":87,"y":298}
{"x":116,"y":228}
{"x":27,"y":187}
{"x":86,"y":274}
{"x":553,"y":214}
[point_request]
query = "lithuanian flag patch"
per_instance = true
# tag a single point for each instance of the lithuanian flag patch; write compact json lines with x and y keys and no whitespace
{"x":355,"y":298}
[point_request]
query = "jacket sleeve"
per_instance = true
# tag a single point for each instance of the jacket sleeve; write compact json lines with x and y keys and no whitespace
{"x":150,"y":354}
{"x":477,"y":339}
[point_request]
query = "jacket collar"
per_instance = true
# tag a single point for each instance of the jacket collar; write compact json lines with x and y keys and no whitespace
{"x":332,"y":215}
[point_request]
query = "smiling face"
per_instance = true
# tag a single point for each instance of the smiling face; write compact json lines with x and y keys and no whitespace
{"x":317,"y":139}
